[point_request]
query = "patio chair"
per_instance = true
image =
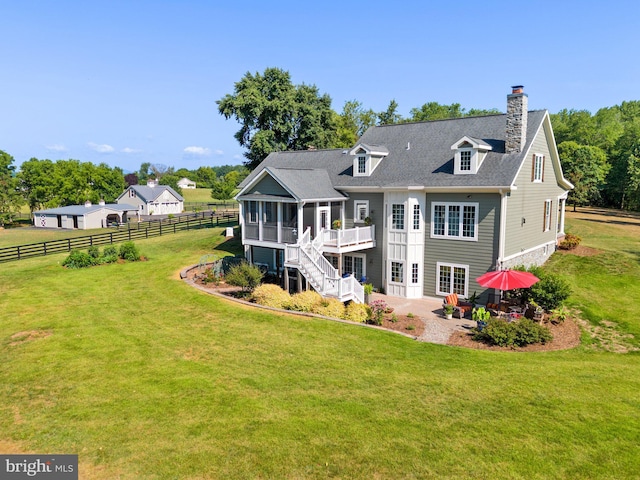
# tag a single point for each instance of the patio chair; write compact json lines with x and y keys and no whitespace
{"x":458,"y":306}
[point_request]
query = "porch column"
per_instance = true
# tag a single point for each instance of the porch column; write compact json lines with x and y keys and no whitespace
{"x":300,"y":219}
{"x":241,"y":219}
{"x":260,"y":220}
{"x":279,"y":220}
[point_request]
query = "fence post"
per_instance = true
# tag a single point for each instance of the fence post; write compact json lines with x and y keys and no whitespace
{"x":18,"y":252}
{"x":68,"y":244}
{"x":45,"y":247}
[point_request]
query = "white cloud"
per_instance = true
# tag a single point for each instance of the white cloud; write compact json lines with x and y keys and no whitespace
{"x":101,"y":148}
{"x":197,"y":151}
{"x":218,"y":152}
{"x":238,"y":157}
{"x":130,"y":150}
{"x":56,"y":148}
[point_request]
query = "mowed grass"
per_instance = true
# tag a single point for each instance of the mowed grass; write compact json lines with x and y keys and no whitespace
{"x":25,"y":234}
{"x":146,"y":377}
{"x":202,"y":195}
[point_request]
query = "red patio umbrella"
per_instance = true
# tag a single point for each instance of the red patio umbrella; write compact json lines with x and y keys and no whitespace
{"x":507,"y":279}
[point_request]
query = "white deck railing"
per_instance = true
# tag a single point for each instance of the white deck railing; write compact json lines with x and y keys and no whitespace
{"x":348,"y":237}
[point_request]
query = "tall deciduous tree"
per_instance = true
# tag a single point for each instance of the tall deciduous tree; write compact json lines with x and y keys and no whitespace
{"x":36,"y":182}
{"x":586,"y":167}
{"x":276,"y":115}
{"x":10,"y":198}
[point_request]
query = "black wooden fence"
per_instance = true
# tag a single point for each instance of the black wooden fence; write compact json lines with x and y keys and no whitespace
{"x":123,"y":233}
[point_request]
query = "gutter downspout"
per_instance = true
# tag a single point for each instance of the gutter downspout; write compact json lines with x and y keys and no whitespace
{"x":503,"y":229}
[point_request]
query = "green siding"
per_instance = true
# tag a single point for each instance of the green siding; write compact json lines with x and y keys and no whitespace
{"x":375,"y":261}
{"x":480,"y":256}
{"x":268,"y":186}
{"x":527,"y":202}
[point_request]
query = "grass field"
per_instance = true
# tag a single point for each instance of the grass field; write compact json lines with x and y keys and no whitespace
{"x":200,"y":195}
{"x":145,"y":377}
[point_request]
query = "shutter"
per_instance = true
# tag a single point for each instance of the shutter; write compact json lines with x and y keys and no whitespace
{"x":533,"y":167}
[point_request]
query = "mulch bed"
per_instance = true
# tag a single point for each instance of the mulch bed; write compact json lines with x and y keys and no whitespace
{"x":566,"y":335}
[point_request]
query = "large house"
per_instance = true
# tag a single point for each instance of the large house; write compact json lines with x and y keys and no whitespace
{"x":416,"y":209}
{"x":152,"y":199}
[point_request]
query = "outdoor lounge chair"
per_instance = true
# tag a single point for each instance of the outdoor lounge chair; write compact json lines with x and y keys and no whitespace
{"x":458,"y":306}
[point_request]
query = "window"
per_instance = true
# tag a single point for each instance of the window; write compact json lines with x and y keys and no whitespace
{"x":361,"y":210}
{"x":253,"y":212}
{"x":452,"y":278}
{"x":132,"y":193}
{"x":538,"y":168}
{"x":362,"y":164}
{"x":416,"y":217}
{"x":465,"y":161}
{"x":414,"y":273}
{"x":397,"y":272}
{"x":547,"y":216}
{"x":354,"y":264}
{"x":397,"y":216}
{"x":455,"y":220}
{"x":270,"y":212}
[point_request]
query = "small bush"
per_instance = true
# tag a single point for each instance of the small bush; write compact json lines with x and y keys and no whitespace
{"x":394,"y":318}
{"x":244,"y":275}
{"x":378,"y":308}
{"x":305,"y":301}
{"x":357,"y":312}
{"x":330,"y":307}
{"x":271,"y":296}
{"x":94,"y":251}
{"x":110,"y":250}
{"x":514,"y":334}
{"x":570,"y":242}
{"x":551,"y":291}
{"x":78,"y":259}
{"x":109,"y":258}
{"x":210,"y":276}
{"x":129,"y":252}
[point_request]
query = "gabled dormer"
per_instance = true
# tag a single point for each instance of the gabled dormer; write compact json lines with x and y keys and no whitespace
{"x":366,"y":158}
{"x":469,"y":155}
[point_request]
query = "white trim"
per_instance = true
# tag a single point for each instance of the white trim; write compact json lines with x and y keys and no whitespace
{"x":362,"y":256}
{"x":536,"y":157}
{"x":404,"y":271}
{"x":446,"y":235}
{"x":452,"y":265}
{"x":356,"y":219}
{"x":547,"y":215}
{"x":503,"y":227}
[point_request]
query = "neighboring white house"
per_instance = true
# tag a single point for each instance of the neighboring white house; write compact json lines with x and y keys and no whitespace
{"x":84,"y":216}
{"x":152,"y":199}
{"x":186,"y":183}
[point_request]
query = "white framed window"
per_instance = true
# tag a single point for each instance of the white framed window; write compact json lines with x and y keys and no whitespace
{"x":465,"y":160}
{"x":355,"y":263}
{"x":270,"y":212}
{"x":362,"y":164}
{"x":538,"y":168}
{"x":397,"y":272}
{"x":452,"y":278}
{"x":253,"y":212}
{"x":397,"y":216}
{"x":547,"y":216}
{"x":454,"y":220}
{"x":415,"y":273}
{"x":416,"y":217}
{"x":360,"y":210}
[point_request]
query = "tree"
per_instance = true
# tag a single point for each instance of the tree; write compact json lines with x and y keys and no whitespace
{"x":390,"y":115}
{"x":171,"y":181}
{"x":352,"y":123}
{"x":223,"y":187}
{"x":586,"y":167}
{"x":435,"y":111}
{"x":131,"y":179}
{"x":276,"y":115}
{"x":10,"y":198}
{"x":36,"y":182}
{"x":144,"y":172}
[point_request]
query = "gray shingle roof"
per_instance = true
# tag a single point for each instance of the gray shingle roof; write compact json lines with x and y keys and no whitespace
{"x":149,"y":194}
{"x":82,"y":210}
{"x":419,"y":155}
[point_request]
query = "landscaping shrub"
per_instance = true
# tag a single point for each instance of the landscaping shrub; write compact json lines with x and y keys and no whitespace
{"x":94,"y":251}
{"x":112,"y":258}
{"x":550,"y":292}
{"x":305,"y":301}
{"x":110,"y":250}
{"x":78,"y":259}
{"x":357,"y":312}
{"x":271,"y":296}
{"x":514,"y":334}
{"x":330,"y":307}
{"x":129,"y":252}
{"x":378,"y":308}
{"x":244,"y":275}
{"x":570,"y":242}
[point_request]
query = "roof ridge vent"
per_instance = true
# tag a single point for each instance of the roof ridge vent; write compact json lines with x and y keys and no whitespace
{"x":408,"y":145}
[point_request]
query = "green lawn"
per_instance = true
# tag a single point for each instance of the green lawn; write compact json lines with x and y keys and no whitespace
{"x":145,"y":377}
{"x":22,"y":235}
{"x":202,"y":195}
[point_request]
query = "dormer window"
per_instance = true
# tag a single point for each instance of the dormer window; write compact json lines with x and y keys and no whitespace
{"x":469,"y":155}
{"x":362,"y":165}
{"x":367,"y":158}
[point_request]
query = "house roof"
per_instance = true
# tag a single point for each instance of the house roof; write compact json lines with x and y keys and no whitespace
{"x":149,"y":194}
{"x":419,"y":155}
{"x":82,"y":210}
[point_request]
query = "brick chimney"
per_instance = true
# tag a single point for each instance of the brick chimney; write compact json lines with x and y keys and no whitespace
{"x":517,"y":105}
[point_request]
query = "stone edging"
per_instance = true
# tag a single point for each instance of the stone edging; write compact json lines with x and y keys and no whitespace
{"x":184,"y":276}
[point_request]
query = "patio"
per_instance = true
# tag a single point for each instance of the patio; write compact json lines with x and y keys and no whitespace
{"x":437,"y":328}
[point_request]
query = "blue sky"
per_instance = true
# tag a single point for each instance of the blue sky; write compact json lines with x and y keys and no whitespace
{"x":126,"y":82}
